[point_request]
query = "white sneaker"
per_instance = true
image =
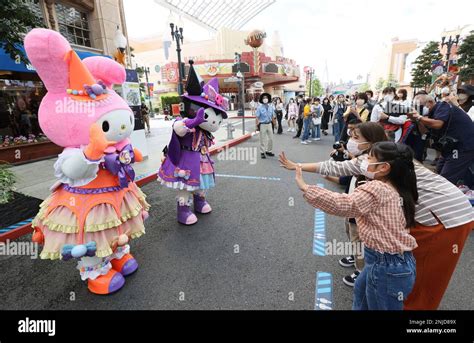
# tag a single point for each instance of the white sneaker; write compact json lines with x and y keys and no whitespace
{"x":304,"y":142}
{"x":316,"y":139}
{"x":289,"y":129}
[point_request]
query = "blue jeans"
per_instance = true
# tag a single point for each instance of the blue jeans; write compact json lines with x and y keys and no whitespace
{"x":315,"y":130}
{"x":306,"y":126}
{"x":338,"y":127}
{"x":385,"y":282}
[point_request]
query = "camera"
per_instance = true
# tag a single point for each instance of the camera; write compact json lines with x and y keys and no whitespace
{"x":339,"y":156}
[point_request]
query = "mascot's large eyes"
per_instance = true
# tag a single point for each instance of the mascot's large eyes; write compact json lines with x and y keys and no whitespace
{"x":206,"y":116}
{"x":105,"y":126}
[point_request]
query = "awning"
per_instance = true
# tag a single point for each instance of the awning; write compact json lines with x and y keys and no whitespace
{"x":9,"y":64}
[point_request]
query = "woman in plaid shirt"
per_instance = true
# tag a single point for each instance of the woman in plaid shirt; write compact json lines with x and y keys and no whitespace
{"x":384,"y":209}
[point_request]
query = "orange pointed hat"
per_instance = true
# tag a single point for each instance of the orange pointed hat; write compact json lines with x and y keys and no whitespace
{"x":82,"y":85}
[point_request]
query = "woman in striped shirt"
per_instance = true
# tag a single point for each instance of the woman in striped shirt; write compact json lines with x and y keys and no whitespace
{"x":444,"y":219}
{"x":384,"y":209}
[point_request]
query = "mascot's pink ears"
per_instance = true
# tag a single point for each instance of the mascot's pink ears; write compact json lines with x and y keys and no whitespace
{"x":46,"y":50}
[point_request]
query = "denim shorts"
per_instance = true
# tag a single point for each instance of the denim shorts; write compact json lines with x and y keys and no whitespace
{"x":385,"y":282}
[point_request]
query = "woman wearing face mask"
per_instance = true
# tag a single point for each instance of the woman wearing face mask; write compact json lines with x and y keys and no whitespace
{"x":362,"y":137}
{"x":465,"y":99}
{"x":438,"y":228}
{"x":384,"y":223}
{"x":402,"y":98}
{"x":358,"y":112}
{"x":338,"y":119}
{"x":279,"y":108}
{"x":392,"y":122}
{"x":326,"y":115}
{"x":292,"y":110}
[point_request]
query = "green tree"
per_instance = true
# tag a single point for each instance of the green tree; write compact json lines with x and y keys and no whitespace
{"x":380,"y":84}
{"x":466,"y":58}
{"x":391,"y":81}
{"x":316,"y":87}
{"x":421,"y":73}
{"x":17,"y":20}
{"x":363,"y":87}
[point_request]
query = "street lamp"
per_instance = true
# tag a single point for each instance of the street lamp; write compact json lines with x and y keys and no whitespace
{"x":310,"y":73}
{"x":146,"y":70}
{"x":177,"y":35}
{"x":241,"y":85}
{"x":449,"y":44}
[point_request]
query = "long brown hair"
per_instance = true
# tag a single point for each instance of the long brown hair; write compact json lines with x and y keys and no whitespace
{"x":372,"y":132}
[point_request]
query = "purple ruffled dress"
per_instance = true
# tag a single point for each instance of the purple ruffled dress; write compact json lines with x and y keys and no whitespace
{"x":188,"y":165}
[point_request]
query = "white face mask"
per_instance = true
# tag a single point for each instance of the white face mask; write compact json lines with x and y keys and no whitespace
{"x":353,"y":146}
{"x":426,"y":111}
{"x":360,"y":103}
{"x":364,"y":167}
{"x":463,"y":97}
{"x":265,"y":100}
{"x":388,"y":98}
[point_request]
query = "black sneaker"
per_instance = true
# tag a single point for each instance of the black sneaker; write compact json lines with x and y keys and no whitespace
{"x":347,"y":261}
{"x":270,"y":153}
{"x":263,"y":156}
{"x":350,"y":280}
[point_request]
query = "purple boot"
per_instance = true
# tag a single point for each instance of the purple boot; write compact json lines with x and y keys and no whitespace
{"x":201,"y":205}
{"x":185,"y":216}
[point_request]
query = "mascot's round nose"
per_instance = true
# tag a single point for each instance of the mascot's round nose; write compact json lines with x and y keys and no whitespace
{"x":123,"y":127}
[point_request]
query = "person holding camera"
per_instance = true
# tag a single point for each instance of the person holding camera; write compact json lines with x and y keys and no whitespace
{"x":456,"y":143}
{"x":443,"y":215}
{"x":356,"y":111}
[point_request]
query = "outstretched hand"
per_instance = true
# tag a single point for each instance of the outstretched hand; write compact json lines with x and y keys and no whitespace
{"x":299,"y":179}
{"x":197,"y":120}
{"x":286,"y":163}
{"x":98,"y":143}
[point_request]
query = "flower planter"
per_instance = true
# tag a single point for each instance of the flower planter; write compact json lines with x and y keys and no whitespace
{"x":22,"y":153}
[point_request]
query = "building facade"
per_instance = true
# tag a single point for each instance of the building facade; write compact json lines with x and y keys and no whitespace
{"x":89,"y":26}
{"x":264,"y":69}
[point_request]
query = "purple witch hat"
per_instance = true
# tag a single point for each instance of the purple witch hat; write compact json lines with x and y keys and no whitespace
{"x":207,"y":94}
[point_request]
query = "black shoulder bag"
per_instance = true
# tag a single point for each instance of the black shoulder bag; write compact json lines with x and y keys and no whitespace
{"x":447,"y":144}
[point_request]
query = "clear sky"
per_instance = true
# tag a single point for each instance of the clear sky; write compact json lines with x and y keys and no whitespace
{"x":345,"y":33}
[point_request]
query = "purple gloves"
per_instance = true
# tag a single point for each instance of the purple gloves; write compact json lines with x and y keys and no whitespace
{"x":197,"y":120}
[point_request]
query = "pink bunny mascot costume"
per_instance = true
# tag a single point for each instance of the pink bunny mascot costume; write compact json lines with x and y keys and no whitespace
{"x":95,"y":207}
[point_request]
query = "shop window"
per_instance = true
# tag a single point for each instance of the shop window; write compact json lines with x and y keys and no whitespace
{"x":73,"y":24}
{"x":19,"y":104}
{"x":35,"y":7}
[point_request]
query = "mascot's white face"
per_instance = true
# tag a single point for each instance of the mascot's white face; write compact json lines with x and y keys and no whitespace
{"x":117,"y":125}
{"x":213,"y":120}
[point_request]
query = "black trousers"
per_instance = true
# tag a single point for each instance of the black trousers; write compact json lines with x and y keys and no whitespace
{"x":300,"y":127}
{"x":279,"y":119}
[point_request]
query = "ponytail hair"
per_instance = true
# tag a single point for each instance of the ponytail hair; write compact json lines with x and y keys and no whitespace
{"x":402,"y":174}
